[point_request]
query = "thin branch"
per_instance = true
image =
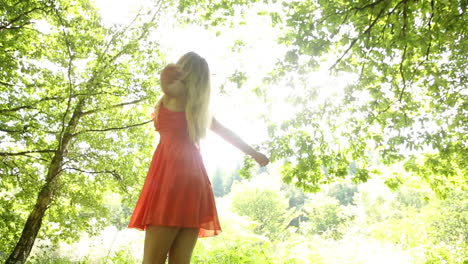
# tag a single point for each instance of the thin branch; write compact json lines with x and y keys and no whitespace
{"x":366,"y":6}
{"x":403,"y":56}
{"x":116,"y":175}
{"x":344,"y":53}
{"x":19,"y":1}
{"x":119,"y":33}
{"x":112,"y":128}
{"x":108,"y":62}
{"x":6,"y":84}
{"x":429,"y":27}
{"x":53,"y":98}
{"x":402,"y":73}
{"x":355,"y":8}
{"x":9,"y":24}
{"x":368,"y":29}
{"x":382,"y":35}
{"x":12,"y":131}
{"x":141,"y":36}
{"x":31,"y":106}
{"x":14,"y":171}
{"x":16,"y":108}
{"x":99,"y":93}
{"x":113,"y":172}
{"x":69,"y":72}
{"x":24,"y":153}
{"x":112,"y":107}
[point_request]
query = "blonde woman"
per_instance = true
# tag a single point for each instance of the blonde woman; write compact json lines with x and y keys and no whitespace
{"x":176,"y":205}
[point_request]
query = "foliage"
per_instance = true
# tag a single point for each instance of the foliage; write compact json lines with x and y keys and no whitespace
{"x":238,"y":243}
{"x":55,"y":260}
{"x":374,"y":206}
{"x":247,"y":168}
{"x":74,"y":98}
{"x":448,"y":218}
{"x":405,"y":101}
{"x":222,"y":180}
{"x":437,"y":227}
{"x":267,"y":207}
{"x":343,"y":192}
{"x":121,"y":256}
{"x":408,"y":233}
{"x":297,"y":199}
{"x":217,"y":183}
{"x":411,"y":197}
{"x":326,"y":217}
{"x":233,"y":251}
{"x":296,"y":196}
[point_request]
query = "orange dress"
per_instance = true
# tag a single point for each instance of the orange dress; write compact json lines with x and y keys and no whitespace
{"x":177,"y":190}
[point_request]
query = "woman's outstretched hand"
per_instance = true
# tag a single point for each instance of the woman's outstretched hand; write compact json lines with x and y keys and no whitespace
{"x":261,"y":159}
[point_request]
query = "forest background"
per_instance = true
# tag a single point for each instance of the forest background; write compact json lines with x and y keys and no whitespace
{"x":362,"y":107}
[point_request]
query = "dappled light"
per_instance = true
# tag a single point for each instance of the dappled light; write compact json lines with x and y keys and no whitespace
{"x":359,"y":106}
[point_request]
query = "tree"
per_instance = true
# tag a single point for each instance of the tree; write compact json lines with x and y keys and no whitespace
{"x":267,"y":207}
{"x":74,"y":99}
{"x":218,"y":187}
{"x":343,"y":192}
{"x":409,"y":57}
{"x":326,"y":217}
{"x":297,"y":199}
{"x":407,"y":103}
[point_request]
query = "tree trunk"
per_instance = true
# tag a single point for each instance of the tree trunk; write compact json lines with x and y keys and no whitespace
{"x":33,"y":224}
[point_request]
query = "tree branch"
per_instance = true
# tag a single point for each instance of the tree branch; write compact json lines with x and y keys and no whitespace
{"x":30,"y":106}
{"x":368,"y":29}
{"x":402,"y":74}
{"x":6,"y":84}
{"x":111,"y":107}
{"x":11,"y":131}
{"x":8,"y":25}
{"x":403,"y":56}
{"x":429,"y":27}
{"x":69,"y":71}
{"x":24,"y":153}
{"x":112,"y":128}
{"x":113,"y":172}
{"x":366,"y":6}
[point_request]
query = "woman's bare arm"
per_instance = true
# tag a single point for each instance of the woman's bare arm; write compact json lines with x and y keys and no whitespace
{"x":236,"y":141}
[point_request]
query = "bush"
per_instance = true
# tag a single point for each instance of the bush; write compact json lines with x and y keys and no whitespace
{"x":267,"y":207}
{"x":326,"y":217}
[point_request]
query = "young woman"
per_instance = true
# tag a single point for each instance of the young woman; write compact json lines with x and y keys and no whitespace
{"x":176,"y":205}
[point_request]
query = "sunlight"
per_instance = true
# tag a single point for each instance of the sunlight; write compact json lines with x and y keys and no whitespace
{"x":118,"y":11}
{"x":238,"y":110}
{"x":368,"y":164}
{"x":256,"y":55}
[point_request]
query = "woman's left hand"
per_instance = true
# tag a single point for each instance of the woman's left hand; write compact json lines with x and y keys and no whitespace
{"x":261,"y":159}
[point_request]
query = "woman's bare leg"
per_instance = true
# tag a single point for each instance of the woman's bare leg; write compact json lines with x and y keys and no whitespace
{"x":158,"y":241}
{"x":182,"y":248}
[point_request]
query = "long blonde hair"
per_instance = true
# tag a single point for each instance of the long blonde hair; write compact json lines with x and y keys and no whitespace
{"x":198,"y":89}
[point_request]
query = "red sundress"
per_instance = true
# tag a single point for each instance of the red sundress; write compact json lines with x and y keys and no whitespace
{"x":177,"y":190}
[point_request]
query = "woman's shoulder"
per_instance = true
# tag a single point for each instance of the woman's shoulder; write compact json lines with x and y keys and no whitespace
{"x":173,"y":104}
